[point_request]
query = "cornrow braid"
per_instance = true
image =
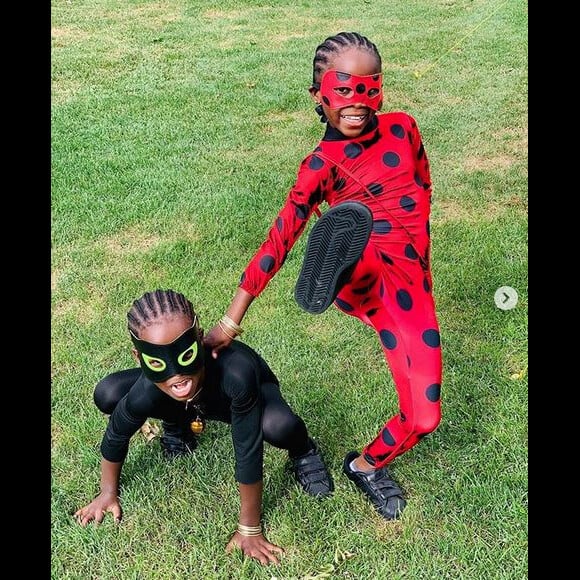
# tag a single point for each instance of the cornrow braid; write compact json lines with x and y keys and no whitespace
{"x":155,"y":305}
{"x":336,"y":44}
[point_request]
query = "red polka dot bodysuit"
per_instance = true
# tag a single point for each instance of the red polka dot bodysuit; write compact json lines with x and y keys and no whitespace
{"x":386,"y":169}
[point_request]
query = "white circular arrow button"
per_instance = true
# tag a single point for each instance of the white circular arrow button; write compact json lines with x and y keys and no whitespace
{"x":505,"y":298}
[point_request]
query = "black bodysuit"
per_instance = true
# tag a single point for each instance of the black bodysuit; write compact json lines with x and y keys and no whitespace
{"x":239,"y":388}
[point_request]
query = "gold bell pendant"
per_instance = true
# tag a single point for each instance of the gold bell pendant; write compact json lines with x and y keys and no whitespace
{"x":197,"y":426}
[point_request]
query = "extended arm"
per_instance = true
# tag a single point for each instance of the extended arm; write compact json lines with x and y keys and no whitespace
{"x":302,"y":200}
{"x":125,"y":420}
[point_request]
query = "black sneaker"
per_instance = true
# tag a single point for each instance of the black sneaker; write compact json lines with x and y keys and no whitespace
{"x":312,"y":474}
{"x":334,"y":246}
{"x":384,"y":493}
{"x":176,"y":442}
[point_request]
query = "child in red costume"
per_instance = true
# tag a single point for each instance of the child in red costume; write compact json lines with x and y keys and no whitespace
{"x":368,"y":254}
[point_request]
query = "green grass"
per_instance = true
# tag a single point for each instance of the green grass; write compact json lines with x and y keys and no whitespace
{"x":177,"y":130}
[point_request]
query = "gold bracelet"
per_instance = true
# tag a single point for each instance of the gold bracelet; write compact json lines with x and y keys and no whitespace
{"x":232,"y":325}
{"x":249,"y":531}
{"x":222,"y":326}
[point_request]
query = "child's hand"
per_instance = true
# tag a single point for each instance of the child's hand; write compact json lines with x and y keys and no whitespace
{"x":256,"y":547}
{"x":216,"y":339}
{"x":97,"y":509}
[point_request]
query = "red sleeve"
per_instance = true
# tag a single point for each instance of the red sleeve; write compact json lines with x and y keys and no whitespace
{"x":304,"y":198}
{"x":421,"y":162}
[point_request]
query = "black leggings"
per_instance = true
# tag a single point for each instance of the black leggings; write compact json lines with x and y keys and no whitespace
{"x":281,"y":427}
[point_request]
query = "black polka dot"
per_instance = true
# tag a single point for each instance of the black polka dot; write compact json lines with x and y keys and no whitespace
{"x":387,"y":437}
{"x":353,"y":150}
{"x":375,"y":188}
{"x":407,"y":203}
{"x":421,"y":152}
{"x":418,"y":179}
{"x":279,"y":224}
{"x":404,"y":299}
{"x":398,"y":131}
{"x":342,"y":76}
{"x":386,"y":259}
{"x":267,"y":263}
{"x":360,"y":88}
{"x":382,"y":227}
{"x":426,"y":285}
{"x":391,"y":159}
{"x":403,"y":418}
{"x":316,"y":163}
{"x":408,"y":361}
{"x":361,"y":290}
{"x":344,"y":305}
{"x":431,"y":338}
{"x":410,"y":252}
{"x":433,"y":392}
{"x":302,"y":211}
{"x":339,"y":184}
{"x":372,"y":312}
{"x":428,"y":228}
{"x":388,"y":339}
{"x":315,"y":196}
{"x":382,"y":289}
{"x":242,"y":278}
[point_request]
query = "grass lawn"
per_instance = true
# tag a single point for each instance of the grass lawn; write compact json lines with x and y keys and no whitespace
{"x":177,"y":130}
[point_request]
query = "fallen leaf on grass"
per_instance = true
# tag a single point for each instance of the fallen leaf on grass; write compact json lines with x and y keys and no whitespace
{"x":149,"y":430}
{"x":520,"y":375}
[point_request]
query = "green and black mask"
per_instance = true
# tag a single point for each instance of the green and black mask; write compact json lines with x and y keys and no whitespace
{"x":184,"y":356}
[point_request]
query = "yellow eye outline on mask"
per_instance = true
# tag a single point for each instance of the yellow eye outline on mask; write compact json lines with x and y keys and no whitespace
{"x":180,"y":360}
{"x":151,"y":359}
{"x":148,"y":360}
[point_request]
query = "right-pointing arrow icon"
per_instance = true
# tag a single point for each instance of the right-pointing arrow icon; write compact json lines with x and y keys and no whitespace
{"x":505,"y":298}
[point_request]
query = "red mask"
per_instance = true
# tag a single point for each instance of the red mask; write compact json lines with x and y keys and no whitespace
{"x":340,"y":89}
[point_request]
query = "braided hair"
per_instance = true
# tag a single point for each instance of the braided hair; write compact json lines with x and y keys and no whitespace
{"x":333,"y":46}
{"x":156,"y":305}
